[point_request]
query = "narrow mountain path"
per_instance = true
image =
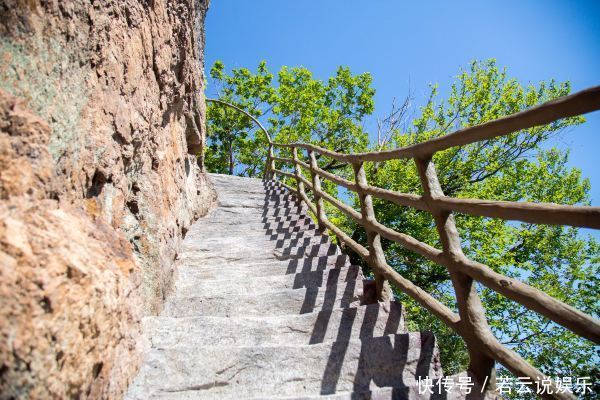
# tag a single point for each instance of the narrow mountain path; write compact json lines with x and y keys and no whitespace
{"x":265,"y":306}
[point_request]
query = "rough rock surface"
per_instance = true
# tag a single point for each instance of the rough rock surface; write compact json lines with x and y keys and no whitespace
{"x":265,"y":306}
{"x":101,"y":124}
{"x":69,"y":283}
{"x":120,"y":84}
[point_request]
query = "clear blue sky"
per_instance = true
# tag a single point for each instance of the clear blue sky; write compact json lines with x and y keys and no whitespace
{"x":408,"y":44}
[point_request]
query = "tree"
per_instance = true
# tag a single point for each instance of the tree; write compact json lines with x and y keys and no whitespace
{"x":299,"y":108}
{"x":517,"y":167}
{"x":231,"y":141}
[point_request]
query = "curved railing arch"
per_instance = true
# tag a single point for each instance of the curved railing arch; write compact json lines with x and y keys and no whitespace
{"x":246,"y":113}
{"x":470,"y":322}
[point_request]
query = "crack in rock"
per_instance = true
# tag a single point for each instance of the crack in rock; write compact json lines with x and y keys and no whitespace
{"x":206,"y":386}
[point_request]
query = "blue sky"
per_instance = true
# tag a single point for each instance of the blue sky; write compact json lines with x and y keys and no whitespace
{"x":407,"y":45}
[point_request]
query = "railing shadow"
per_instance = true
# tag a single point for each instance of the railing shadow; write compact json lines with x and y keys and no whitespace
{"x":333,"y":286}
{"x":311,"y":256}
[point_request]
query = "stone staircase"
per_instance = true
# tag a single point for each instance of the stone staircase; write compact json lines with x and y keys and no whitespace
{"x":265,"y":306}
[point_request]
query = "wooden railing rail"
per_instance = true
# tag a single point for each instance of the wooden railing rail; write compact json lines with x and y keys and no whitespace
{"x":470,"y":322}
{"x":582,"y":102}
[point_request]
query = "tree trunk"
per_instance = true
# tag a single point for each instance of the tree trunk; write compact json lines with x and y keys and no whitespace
{"x":230,"y":158}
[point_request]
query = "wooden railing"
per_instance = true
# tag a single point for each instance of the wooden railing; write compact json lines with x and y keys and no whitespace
{"x":470,"y":322}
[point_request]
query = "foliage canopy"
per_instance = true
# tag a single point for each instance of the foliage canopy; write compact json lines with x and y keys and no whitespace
{"x":299,"y":108}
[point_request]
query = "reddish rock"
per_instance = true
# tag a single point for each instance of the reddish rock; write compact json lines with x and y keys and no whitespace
{"x":25,"y":164}
{"x":70,"y":304}
{"x":101,"y":130}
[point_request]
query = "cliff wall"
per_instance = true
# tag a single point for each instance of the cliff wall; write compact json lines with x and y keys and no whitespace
{"x":101,"y":128}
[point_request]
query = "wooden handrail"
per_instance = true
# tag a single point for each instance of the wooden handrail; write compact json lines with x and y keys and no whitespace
{"x":283,"y":159}
{"x":579,"y":103}
{"x":536,"y":213}
{"x":246,"y":113}
{"x":484,"y":349}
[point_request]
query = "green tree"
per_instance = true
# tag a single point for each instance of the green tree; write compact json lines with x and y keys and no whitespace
{"x":298,"y":108}
{"x":517,"y":167}
{"x":232,"y":141}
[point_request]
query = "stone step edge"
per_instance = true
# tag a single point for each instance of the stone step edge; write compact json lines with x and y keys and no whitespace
{"x":260,"y":318}
{"x":274,"y":262}
{"x":379,"y":393}
{"x":325,"y":272}
{"x":152,"y":326}
{"x":250,"y":271}
{"x":360,"y":293}
{"x":330,"y":344}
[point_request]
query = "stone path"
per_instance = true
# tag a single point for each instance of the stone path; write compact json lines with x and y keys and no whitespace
{"x":265,"y":306}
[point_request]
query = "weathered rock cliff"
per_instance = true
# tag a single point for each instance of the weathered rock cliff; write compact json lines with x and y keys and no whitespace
{"x":101,"y":122}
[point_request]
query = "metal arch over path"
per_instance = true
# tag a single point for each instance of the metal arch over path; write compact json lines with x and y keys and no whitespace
{"x":470,"y":322}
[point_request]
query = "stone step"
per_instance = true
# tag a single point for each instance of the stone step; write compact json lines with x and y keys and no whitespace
{"x":218,"y":223}
{"x":256,"y":192}
{"x":301,"y":239}
{"x":257,"y":200}
{"x":310,"y":250}
{"x":405,"y":393}
{"x":229,"y":241}
{"x":274,"y":197}
{"x":284,"y":217}
{"x":253,"y":228}
{"x":228,"y":235}
{"x":223,"y":213}
{"x":228,"y":182}
{"x":222,"y":226}
{"x":347,"y":365}
{"x":222,"y":179}
{"x":286,"y":212}
{"x":249,"y":192}
{"x":278,"y":239}
{"x":284,"y":302}
{"x":309,"y":243}
{"x":362,"y":322}
{"x":188,"y":285}
{"x":293,"y":226}
{"x":206,"y":253}
{"x":385,"y":393}
{"x":241,"y":268}
{"x":297,"y":234}
{"x":207,"y":256}
{"x":225,"y":189}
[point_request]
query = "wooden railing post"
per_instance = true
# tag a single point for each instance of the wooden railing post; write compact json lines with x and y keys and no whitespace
{"x":471,"y":310}
{"x":376,"y":254}
{"x":270,"y":164}
{"x":298,"y":174}
{"x":316,"y":181}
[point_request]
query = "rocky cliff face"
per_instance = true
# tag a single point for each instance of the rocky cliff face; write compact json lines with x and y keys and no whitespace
{"x":101,"y":122}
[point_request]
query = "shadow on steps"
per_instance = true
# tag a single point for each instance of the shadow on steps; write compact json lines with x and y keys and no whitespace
{"x":270,"y":308}
{"x":287,"y":223}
